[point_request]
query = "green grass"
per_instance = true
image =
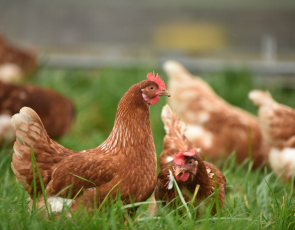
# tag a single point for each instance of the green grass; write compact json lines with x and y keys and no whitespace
{"x":255,"y":199}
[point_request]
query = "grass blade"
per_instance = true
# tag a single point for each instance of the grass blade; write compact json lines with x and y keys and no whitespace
{"x":182,"y":199}
{"x":103,"y":202}
{"x":41,"y":181}
{"x":34,"y":207}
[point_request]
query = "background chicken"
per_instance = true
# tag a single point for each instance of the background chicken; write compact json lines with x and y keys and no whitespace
{"x":214,"y":125}
{"x":15,"y":62}
{"x":127,"y":158}
{"x":55,"y":111}
{"x":277,"y":123}
{"x":187,"y":167}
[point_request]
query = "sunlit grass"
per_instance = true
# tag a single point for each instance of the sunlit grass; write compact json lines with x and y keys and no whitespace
{"x":255,"y":199}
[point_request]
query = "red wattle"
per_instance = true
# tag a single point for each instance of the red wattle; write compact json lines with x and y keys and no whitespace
{"x":184,"y":176}
{"x":154,"y":100}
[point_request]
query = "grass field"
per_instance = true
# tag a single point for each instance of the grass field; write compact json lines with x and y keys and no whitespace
{"x":254,"y":199}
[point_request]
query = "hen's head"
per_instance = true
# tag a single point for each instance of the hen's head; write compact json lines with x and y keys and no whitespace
{"x":153,"y":89}
{"x":186,"y":164}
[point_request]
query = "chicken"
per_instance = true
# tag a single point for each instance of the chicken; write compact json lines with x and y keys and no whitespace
{"x":14,"y":62}
{"x":213,"y":125}
{"x":126,"y":160}
{"x":56,"y":112}
{"x":277,"y":123}
{"x":189,"y":171}
{"x":187,"y":167}
{"x":175,"y":139}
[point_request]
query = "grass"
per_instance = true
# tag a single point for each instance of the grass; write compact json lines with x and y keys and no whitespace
{"x":255,"y":199}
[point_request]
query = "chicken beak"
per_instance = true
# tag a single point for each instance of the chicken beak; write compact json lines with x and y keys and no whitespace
{"x":178,"y":171}
{"x":164,"y":92}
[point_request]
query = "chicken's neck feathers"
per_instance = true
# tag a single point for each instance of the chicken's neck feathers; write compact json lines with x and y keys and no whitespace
{"x":131,"y":127}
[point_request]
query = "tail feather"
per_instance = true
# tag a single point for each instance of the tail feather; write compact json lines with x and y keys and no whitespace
{"x":171,"y":123}
{"x":29,"y":132}
{"x":260,"y":98}
{"x":28,"y":127}
{"x":175,"y":140}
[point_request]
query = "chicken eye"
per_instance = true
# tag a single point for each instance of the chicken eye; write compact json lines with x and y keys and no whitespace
{"x":190,"y":162}
{"x":152,"y":87}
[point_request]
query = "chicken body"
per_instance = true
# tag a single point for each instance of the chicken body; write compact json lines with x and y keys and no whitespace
{"x":213,"y":125}
{"x":55,"y":111}
{"x":277,"y":123}
{"x":14,"y":62}
{"x":127,"y":158}
{"x":175,"y":141}
{"x":204,"y":178}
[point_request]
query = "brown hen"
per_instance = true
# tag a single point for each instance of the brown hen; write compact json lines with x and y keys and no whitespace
{"x":189,"y":171}
{"x":187,"y":167}
{"x":214,"y":125}
{"x":15,"y":62}
{"x":127,"y":158}
{"x":55,"y":111}
{"x":277,"y":123}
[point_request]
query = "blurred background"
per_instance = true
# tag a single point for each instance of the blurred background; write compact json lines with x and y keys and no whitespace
{"x":86,"y":49}
{"x":205,"y":35}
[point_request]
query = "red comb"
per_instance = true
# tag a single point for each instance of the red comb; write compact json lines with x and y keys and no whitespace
{"x":157,"y":79}
{"x":179,"y":159}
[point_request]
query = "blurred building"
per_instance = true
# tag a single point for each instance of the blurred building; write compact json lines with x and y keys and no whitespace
{"x":227,"y":30}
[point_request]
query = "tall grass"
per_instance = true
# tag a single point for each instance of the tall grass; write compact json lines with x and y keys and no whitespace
{"x":254,"y":199}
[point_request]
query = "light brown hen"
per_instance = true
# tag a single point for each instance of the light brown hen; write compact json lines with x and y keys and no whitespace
{"x":277,"y":123}
{"x":213,"y":125}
